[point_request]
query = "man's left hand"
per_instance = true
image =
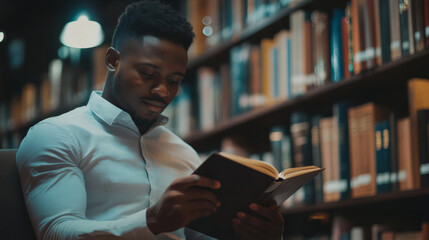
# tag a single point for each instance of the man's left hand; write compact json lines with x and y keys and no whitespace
{"x":269,"y":226}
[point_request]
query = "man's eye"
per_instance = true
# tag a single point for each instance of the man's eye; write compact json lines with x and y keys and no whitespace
{"x":174,"y":81}
{"x":149,"y":75}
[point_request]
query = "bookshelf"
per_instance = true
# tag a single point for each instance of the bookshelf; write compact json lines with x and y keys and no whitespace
{"x":393,"y":75}
{"x":385,"y":84}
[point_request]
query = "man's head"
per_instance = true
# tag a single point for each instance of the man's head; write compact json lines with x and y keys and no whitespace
{"x":147,"y":60}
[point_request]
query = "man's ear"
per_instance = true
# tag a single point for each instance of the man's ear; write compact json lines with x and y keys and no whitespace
{"x":112,"y":59}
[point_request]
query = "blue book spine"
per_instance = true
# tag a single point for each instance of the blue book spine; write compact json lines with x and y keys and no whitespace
{"x":275,"y":73}
{"x":289,"y":67}
{"x":235,"y":81}
{"x":382,"y":155}
{"x":340,"y":110}
{"x":336,"y":45}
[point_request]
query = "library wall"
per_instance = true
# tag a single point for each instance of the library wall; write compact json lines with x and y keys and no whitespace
{"x":340,"y":84}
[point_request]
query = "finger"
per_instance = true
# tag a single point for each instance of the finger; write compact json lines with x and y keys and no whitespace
{"x":196,"y":181}
{"x":200,"y":212}
{"x":193,"y":194}
{"x":270,"y":213}
{"x":259,"y":223}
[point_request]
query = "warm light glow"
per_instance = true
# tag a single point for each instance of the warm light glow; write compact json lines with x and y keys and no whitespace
{"x":1,"y":36}
{"x":82,"y":33}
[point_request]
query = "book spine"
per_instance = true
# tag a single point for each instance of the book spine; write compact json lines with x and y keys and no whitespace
{"x":377,"y":32}
{"x":426,"y":25}
{"x":404,"y":26}
{"x":336,"y":45}
{"x":350,"y":61}
{"x":317,"y":158}
{"x":385,"y":31}
{"x":382,"y":156}
{"x":359,"y":60}
{"x":423,"y":128}
{"x":418,"y":24}
{"x":302,"y":156}
{"x":405,"y":165}
{"x":393,"y":152}
{"x":395,"y":30}
{"x":340,"y":114}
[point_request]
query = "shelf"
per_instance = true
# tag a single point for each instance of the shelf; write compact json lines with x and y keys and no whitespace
{"x":394,"y":74}
{"x":410,"y":196}
{"x":265,"y":27}
{"x":24,"y":128}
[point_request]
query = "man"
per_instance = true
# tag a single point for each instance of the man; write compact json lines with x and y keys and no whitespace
{"x":110,"y":170}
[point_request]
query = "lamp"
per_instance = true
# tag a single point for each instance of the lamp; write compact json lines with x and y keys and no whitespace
{"x":82,"y":33}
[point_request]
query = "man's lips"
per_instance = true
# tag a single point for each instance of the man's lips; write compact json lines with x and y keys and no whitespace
{"x":154,"y":105}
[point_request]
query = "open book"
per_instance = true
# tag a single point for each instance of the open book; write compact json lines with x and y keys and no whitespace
{"x":245,"y":181}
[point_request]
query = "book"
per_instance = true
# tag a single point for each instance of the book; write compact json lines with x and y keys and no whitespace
{"x":418,"y":24}
{"x":423,"y":135}
{"x":395,"y":30}
{"x":317,"y":157}
{"x":244,"y":181}
{"x":336,"y":45}
{"x":385,"y":30}
{"x":382,"y":155}
{"x":302,"y":156}
{"x":405,"y":165}
{"x":362,"y":121}
{"x":418,"y":98}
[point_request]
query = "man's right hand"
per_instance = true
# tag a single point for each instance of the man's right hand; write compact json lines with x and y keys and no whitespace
{"x":185,"y":200}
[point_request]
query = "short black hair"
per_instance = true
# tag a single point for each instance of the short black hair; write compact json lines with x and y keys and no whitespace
{"x":152,"y":18}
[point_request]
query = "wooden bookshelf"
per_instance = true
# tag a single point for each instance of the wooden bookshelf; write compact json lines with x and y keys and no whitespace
{"x":380,"y":201}
{"x":265,"y":27}
{"x":392,"y":75}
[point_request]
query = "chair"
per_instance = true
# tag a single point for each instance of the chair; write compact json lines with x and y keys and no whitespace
{"x":15,"y":223}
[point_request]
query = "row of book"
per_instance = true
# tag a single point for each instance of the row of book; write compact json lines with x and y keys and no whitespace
{"x":64,"y":85}
{"x":344,"y":230}
{"x":365,"y":149}
{"x":217,"y":21}
{"x":324,"y":50}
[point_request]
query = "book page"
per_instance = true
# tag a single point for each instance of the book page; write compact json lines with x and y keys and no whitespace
{"x":257,"y":165}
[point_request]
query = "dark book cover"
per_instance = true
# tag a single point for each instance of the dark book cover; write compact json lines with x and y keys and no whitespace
{"x":317,"y":157}
{"x":394,"y":168}
{"x":426,"y":22}
{"x":241,"y":186}
{"x":423,"y":130}
{"x":385,"y":31}
{"x":404,"y":28}
{"x":340,"y":110}
{"x":382,"y":155}
{"x":302,"y":156}
{"x":418,"y":10}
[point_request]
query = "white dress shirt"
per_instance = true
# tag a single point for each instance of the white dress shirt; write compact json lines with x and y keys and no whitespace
{"x":89,"y":174}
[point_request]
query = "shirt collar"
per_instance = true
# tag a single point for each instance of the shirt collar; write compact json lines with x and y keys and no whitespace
{"x":111,"y":114}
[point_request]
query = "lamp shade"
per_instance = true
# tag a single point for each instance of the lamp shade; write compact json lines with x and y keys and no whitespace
{"x":82,"y":33}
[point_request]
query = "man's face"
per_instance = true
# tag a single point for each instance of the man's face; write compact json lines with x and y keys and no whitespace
{"x":148,"y":76}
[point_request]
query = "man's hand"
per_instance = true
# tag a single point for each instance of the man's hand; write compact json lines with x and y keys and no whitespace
{"x":269,"y":227}
{"x":185,"y":200}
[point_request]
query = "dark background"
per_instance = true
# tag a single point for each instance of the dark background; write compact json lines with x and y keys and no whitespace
{"x":39,"y":24}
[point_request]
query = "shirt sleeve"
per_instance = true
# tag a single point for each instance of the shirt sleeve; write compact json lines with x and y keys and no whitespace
{"x":54,"y":190}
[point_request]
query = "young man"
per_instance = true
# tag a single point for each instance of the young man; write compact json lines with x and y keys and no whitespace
{"x":110,"y":170}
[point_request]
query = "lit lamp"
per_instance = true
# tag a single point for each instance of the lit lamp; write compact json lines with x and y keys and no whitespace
{"x":82,"y":33}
